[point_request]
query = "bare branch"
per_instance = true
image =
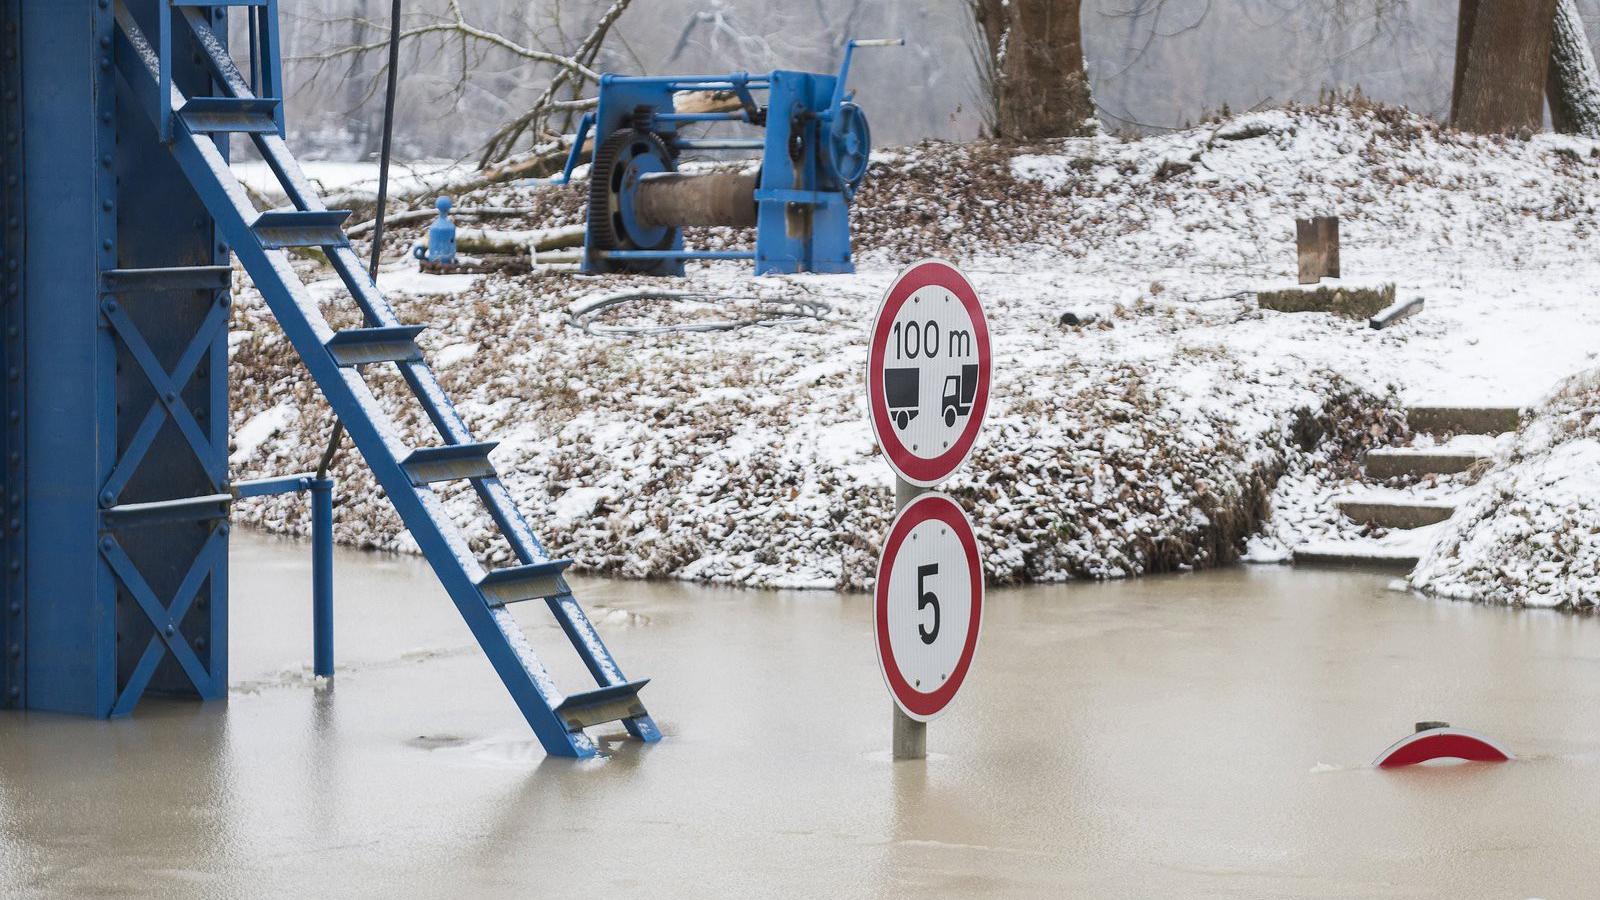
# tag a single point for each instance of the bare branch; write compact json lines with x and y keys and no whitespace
{"x":466,"y":30}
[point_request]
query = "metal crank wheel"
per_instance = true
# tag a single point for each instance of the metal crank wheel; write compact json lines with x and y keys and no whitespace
{"x":849,"y":147}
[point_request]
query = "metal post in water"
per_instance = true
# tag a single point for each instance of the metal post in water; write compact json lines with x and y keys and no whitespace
{"x":910,"y":736}
{"x":322,"y":576}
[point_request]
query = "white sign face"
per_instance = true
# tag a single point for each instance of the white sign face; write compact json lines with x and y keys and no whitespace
{"x":929,"y":605}
{"x":928,"y":372}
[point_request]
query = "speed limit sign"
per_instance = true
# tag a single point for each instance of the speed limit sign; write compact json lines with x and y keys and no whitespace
{"x":928,"y":372}
{"x":928,"y":605}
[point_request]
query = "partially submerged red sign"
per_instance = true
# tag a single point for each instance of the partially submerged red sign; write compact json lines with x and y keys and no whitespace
{"x":1441,"y":743}
{"x":928,"y":372}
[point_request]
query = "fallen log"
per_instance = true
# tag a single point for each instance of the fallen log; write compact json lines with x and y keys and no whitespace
{"x":420,"y":215}
{"x":484,"y":240}
{"x":534,"y":165}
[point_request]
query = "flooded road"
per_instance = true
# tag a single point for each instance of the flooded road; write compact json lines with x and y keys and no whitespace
{"x":1195,"y":736}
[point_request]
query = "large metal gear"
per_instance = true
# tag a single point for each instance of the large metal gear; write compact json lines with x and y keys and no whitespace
{"x":620,"y":161}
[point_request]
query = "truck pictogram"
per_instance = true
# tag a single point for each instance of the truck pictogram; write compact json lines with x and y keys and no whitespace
{"x":959,"y":390}
{"x":900,"y":389}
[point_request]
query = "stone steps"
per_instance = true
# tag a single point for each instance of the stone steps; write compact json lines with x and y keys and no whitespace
{"x":1395,"y":511}
{"x":1401,"y":511}
{"x":1355,"y":554}
{"x":1395,"y":462}
{"x":1464,"y":419}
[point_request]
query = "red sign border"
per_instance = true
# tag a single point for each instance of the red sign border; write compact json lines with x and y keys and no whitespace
{"x":1441,"y":743}
{"x":918,"y":471}
{"x":919,"y":705}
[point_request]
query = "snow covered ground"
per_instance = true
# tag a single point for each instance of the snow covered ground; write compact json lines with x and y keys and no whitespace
{"x":1150,"y":439}
{"x":1531,"y":533}
{"x":354,"y":179}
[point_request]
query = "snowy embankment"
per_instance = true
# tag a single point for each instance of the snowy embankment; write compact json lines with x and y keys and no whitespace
{"x":1147,"y":440}
{"x":1531,"y":534}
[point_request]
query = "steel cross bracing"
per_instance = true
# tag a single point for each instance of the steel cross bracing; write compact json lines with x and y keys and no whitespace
{"x":166,"y":619}
{"x":260,"y":239}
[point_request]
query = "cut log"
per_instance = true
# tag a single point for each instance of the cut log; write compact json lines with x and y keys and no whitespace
{"x":706,"y":102}
{"x":427,"y":214}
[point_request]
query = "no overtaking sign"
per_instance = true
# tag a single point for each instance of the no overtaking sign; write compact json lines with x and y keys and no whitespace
{"x":928,"y":371}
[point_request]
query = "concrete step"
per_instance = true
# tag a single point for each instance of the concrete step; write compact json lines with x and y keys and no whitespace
{"x":1392,"y":462}
{"x":1464,"y":419}
{"x":1355,"y":554}
{"x":1395,"y":512}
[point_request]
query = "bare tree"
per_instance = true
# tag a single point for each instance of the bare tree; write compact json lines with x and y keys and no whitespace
{"x":1502,"y":63}
{"x":1573,"y":85}
{"x":1033,"y":69}
{"x":1296,"y":48}
{"x":568,"y":73}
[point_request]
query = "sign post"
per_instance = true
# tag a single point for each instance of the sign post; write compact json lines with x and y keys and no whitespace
{"x":928,"y":375}
{"x":910,"y":735}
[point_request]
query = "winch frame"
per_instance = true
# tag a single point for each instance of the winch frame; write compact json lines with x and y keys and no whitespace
{"x":802,"y":198}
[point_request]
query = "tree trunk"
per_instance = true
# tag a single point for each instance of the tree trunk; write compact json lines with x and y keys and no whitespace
{"x":1464,"y":22}
{"x":1034,"y":56}
{"x":1574,"y":81}
{"x":1500,"y":78}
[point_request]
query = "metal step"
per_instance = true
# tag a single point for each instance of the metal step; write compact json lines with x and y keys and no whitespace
{"x":534,"y":581}
{"x":1464,"y":419}
{"x":608,"y":704}
{"x":1397,"y":512}
{"x":361,"y":346}
{"x":302,"y":228}
{"x":427,"y":465}
{"x":177,"y":278}
{"x":1394,"y":462}
{"x":230,"y":115}
{"x":1356,"y":554}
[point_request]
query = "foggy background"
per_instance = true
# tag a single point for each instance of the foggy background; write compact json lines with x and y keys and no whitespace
{"x":1152,"y":63}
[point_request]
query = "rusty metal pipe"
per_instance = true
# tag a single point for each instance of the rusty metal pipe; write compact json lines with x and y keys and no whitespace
{"x":696,"y":198}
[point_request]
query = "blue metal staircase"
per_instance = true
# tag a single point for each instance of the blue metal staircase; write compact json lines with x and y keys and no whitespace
{"x":192,"y":128}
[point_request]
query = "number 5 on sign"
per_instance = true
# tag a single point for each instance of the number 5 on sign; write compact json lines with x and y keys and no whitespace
{"x":928,"y":605}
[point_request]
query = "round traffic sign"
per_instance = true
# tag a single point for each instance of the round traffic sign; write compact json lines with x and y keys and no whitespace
{"x":928,"y":371}
{"x":928,"y":605}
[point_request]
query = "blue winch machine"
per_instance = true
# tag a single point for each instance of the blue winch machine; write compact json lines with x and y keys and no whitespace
{"x":814,"y":154}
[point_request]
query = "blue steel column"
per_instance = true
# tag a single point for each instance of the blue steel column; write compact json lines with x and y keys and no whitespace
{"x":109,"y":433}
{"x":13,"y":597}
{"x":322,"y":576}
{"x":66,"y":95}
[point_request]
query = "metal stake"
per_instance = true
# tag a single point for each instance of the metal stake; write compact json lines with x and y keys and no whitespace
{"x":322,"y":576}
{"x":337,"y":437}
{"x":910,"y":736}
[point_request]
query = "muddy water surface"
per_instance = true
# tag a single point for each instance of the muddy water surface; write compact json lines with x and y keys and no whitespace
{"x":1196,"y":736}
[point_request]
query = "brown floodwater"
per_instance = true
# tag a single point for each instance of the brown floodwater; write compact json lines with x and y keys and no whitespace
{"x":1205,"y":735}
